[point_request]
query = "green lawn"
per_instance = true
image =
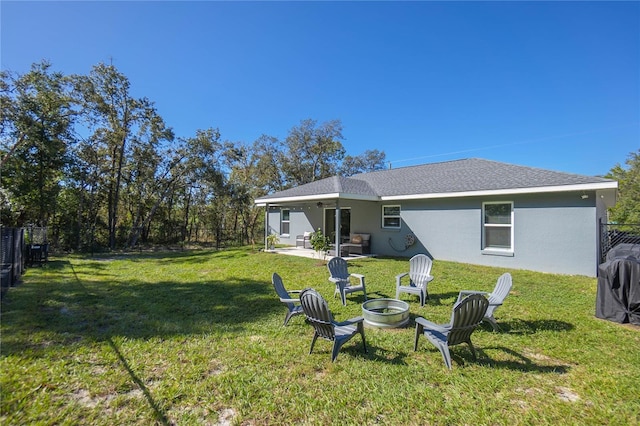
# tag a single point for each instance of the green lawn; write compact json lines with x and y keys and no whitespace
{"x":196,"y":337}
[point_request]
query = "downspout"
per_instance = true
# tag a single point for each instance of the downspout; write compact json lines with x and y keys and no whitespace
{"x":338,"y":228}
{"x":266,"y":225}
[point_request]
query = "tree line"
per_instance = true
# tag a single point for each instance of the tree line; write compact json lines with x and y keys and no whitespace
{"x":101,"y":169}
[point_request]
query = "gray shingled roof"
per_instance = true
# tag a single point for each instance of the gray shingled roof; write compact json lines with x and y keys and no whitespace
{"x":332,"y":185}
{"x":458,"y":176}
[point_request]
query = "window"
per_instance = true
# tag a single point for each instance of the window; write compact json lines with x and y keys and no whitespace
{"x":284,"y":222}
{"x":391,"y":217}
{"x":497,"y":224}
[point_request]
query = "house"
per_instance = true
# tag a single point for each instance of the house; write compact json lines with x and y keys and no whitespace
{"x":472,"y":210}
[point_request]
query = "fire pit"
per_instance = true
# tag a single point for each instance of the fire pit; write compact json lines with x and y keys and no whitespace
{"x":385,"y":313}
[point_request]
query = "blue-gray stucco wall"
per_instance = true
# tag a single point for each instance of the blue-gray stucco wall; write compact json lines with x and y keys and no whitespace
{"x":555,"y":232}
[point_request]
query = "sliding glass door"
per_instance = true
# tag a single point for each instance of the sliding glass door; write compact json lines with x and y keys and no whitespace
{"x":330,"y":222}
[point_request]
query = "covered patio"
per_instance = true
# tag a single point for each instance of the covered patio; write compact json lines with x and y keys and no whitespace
{"x":324,"y":204}
{"x":312,"y":254}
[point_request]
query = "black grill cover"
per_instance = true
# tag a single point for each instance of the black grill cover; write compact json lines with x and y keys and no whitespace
{"x":618,"y":295}
{"x":624,"y":251}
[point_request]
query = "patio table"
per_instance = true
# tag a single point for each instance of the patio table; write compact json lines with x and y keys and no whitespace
{"x":344,"y":251}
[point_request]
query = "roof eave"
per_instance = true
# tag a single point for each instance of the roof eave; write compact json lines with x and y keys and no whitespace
{"x":613,"y":185}
{"x":600,"y":186}
{"x":315,"y":197}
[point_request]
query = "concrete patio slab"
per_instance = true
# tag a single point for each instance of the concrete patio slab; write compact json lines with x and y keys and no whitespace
{"x":311,"y":254}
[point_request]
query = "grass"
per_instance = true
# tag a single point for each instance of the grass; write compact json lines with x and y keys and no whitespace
{"x":196,"y":337}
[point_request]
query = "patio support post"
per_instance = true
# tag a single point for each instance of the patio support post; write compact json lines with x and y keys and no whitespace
{"x":266,"y":225}
{"x":338,"y":228}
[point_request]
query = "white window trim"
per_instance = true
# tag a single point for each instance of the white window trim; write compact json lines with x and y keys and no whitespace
{"x":498,"y":250}
{"x":285,"y":221}
{"x":399,"y":216}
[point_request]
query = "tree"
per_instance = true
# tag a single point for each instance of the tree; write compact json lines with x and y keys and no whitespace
{"x":36,"y":129}
{"x":266,"y":153}
{"x":320,"y":243}
{"x":84,"y":196}
{"x":100,"y":167}
{"x":191,"y":166}
{"x":203,"y":183}
{"x":148,"y":181}
{"x":312,"y":153}
{"x":253,"y":172}
{"x":119,"y":122}
{"x":627,"y":209}
{"x":369,"y":161}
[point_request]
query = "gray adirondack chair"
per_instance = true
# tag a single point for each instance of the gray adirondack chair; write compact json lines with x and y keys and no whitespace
{"x":419,"y":277}
{"x":465,"y":318}
{"x":340,"y":276}
{"x":292,"y":303}
{"x":320,"y":317}
{"x":496,"y":297}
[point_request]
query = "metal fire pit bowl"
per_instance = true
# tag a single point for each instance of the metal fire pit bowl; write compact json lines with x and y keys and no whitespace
{"x":385,"y":313}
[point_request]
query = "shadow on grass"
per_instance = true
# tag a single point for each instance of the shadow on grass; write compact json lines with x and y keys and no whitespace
{"x":385,"y":355}
{"x":159,"y":414}
{"x":74,"y":309}
{"x":355,"y":350}
{"x":438,"y":298}
{"x":354,"y":298}
{"x":59,"y":300}
{"x":461,"y":355}
{"x":521,"y":363}
{"x":518,"y":326}
{"x":188,"y":256}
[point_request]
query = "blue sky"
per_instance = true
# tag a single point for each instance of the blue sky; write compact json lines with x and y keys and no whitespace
{"x":554,"y":85}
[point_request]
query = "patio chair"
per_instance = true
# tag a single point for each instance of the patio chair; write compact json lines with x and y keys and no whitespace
{"x":304,"y":240}
{"x":465,"y":318}
{"x":340,"y":276}
{"x":293,"y":304}
{"x":320,"y":317}
{"x":419,"y":277}
{"x":496,"y":298}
